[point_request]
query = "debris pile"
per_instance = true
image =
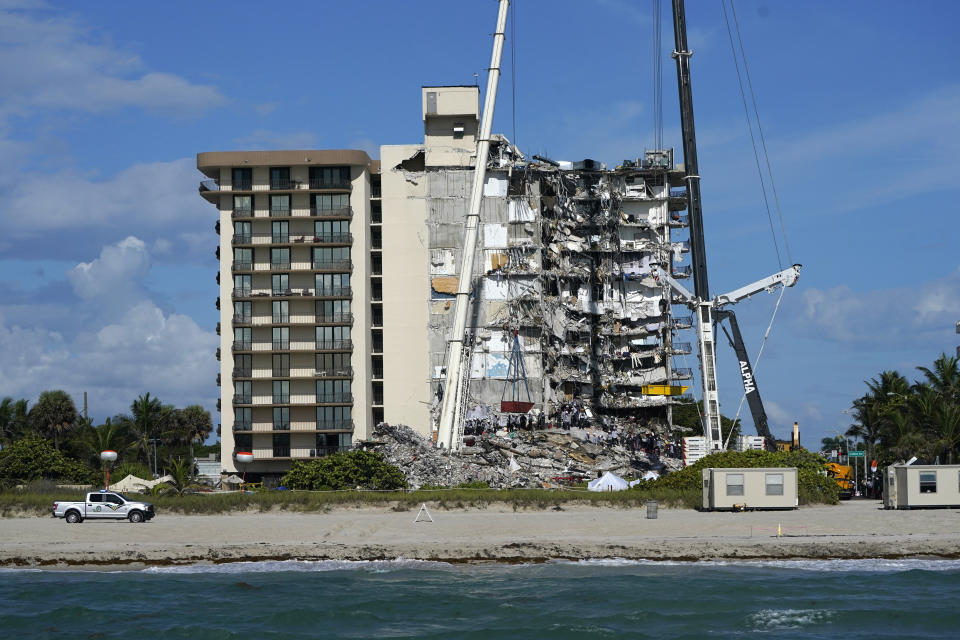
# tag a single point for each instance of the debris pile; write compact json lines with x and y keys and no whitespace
{"x":517,"y":459}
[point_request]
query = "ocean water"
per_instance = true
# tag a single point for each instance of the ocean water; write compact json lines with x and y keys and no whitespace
{"x":413,"y":599}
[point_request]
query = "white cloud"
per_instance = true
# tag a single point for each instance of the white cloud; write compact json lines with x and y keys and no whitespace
{"x":126,"y":345}
{"x":69,"y":68}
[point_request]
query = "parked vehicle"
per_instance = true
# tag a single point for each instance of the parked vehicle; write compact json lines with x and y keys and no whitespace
{"x":104,"y":505}
{"x":843,"y":475}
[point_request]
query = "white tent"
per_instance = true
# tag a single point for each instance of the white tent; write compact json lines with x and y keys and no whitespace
{"x":608,"y":482}
{"x":133,"y":483}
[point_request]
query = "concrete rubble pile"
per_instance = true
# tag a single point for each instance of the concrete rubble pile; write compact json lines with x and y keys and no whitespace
{"x":518,"y":459}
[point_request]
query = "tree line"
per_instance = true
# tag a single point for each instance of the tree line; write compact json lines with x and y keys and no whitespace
{"x":896,"y":420}
{"x":151,"y":436}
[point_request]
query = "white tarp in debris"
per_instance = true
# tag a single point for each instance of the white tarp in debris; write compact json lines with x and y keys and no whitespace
{"x":442,"y":262}
{"x":520,"y":211}
{"x":608,"y":482}
{"x":496,"y":185}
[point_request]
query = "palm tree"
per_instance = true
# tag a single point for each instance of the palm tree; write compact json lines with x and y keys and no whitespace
{"x":945,"y":377}
{"x":14,"y":420}
{"x":182,"y":478}
{"x":145,"y":422}
{"x":109,"y":435}
{"x":54,"y":414}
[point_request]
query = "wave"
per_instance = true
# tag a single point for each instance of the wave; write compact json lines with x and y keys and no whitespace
{"x":306,"y":566}
{"x":877,"y":565}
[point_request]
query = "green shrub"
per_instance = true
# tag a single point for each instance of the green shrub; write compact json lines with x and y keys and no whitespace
{"x":30,"y":459}
{"x":813,"y":487}
{"x":138,"y":469}
{"x":350,"y":470}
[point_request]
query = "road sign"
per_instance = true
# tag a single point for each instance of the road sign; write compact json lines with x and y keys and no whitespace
{"x":855,"y":454}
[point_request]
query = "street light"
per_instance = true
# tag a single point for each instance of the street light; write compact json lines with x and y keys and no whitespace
{"x":155,"y":441}
{"x":108,"y":456}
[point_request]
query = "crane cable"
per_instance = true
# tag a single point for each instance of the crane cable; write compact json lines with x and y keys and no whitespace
{"x":657,"y":77}
{"x":513,"y":71}
{"x":753,"y":141}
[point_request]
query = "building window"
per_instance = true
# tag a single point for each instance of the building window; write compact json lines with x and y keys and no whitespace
{"x":333,"y":310}
{"x":281,"y":232}
{"x":243,"y":365}
{"x":281,"y":365}
{"x":928,"y":482}
{"x":280,"y":284}
{"x":375,"y":184}
{"x":243,"y":258}
{"x":242,"y":232}
{"x":774,"y":484}
{"x":333,"y":284}
{"x":331,"y":257}
{"x":281,"y":337}
{"x":242,"y":179}
{"x":280,"y":258}
{"x":376,"y":366}
{"x":377,"y":392}
{"x":281,"y":311}
{"x":734,"y":484}
{"x":242,"y":286}
{"x":281,"y":392}
{"x":243,"y":392}
{"x":281,"y":445}
{"x":376,"y":264}
{"x":376,"y":238}
{"x":333,"y":391}
{"x":243,"y":338}
{"x":334,"y":418}
{"x":243,"y":442}
{"x":336,"y":337}
{"x":376,"y":212}
{"x":332,"y":364}
{"x":377,"y":315}
{"x":332,"y":231}
{"x":329,"y":177}
{"x":243,"y":419}
{"x":280,"y":205}
{"x":281,"y":418}
{"x":280,"y":178}
{"x":242,"y":311}
{"x":458,"y":131}
{"x":243,"y":205}
{"x":330,"y":202}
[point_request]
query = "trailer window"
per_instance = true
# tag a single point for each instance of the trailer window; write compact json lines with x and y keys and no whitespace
{"x":928,"y":482}
{"x":734,"y":484}
{"x":774,"y":484}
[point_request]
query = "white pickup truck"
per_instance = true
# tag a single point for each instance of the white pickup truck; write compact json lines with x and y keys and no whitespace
{"x":104,"y":505}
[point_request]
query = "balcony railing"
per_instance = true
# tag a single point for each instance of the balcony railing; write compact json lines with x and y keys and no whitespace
{"x":377,"y":373}
{"x":242,"y":213}
{"x":337,"y":265}
{"x":242,"y":399}
{"x":328,"y":398}
{"x":283,"y":183}
{"x":335,"y":318}
{"x":240,"y":372}
{"x":281,"y":398}
{"x":242,"y":425}
{"x":281,"y":345}
{"x":281,"y":372}
{"x":338,"y":372}
{"x":242,"y":238}
{"x":317,"y":183}
{"x":281,"y":426}
{"x":340,"y":212}
{"x":281,"y":451}
{"x":242,"y":319}
{"x":280,"y":264}
{"x":242,"y":293}
{"x":281,"y":318}
{"x":280,"y":213}
{"x":242,"y":185}
{"x":280,"y":238}
{"x":281,"y":292}
{"x":326,"y":451}
{"x":334,"y":425}
{"x":341,"y":238}
{"x":680,"y":192}
{"x":242,"y":266}
{"x":241,"y":345}
{"x":681,"y":347}
{"x":682,"y":373}
{"x":334,"y":345}
{"x":334,"y":292}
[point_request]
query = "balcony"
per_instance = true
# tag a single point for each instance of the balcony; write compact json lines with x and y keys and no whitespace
{"x":281,"y":398}
{"x":377,"y":373}
{"x":284,"y":184}
{"x":335,"y":398}
{"x":242,"y":185}
{"x":326,"y":451}
{"x":281,"y":265}
{"x":242,"y":372}
{"x":335,"y":292}
{"x":209,"y":185}
{"x":242,"y":425}
{"x":334,"y":238}
{"x":242,"y":238}
{"x":681,"y":348}
{"x":240,"y":319}
{"x":281,"y":345}
{"x":280,"y":372}
{"x":281,"y":318}
{"x":242,"y":399}
{"x":335,"y":318}
{"x":342,"y":213}
{"x":242,"y":293}
{"x":280,"y":213}
{"x":339,"y":372}
{"x":334,"y":345}
{"x":242,"y":345}
{"x":280,"y":238}
{"x":281,"y":426}
{"x":335,"y":425}
{"x":242,"y":266}
{"x":342,"y":185}
{"x":241,"y":213}
{"x":333,"y":265}
{"x":682,"y":373}
{"x":281,"y":451}
{"x":682,"y":272}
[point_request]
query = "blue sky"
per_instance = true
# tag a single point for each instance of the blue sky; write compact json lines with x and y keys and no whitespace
{"x":107,"y":252}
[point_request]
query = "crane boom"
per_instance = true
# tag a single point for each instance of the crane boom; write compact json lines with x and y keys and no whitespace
{"x":750,"y":388}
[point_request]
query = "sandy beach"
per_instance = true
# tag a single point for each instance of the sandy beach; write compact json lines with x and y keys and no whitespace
{"x":858,"y":529}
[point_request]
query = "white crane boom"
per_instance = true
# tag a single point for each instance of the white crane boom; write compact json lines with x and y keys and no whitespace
{"x":451,"y":398}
